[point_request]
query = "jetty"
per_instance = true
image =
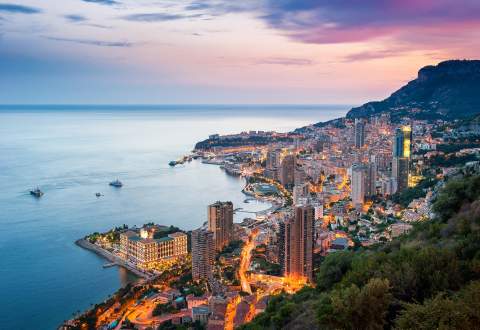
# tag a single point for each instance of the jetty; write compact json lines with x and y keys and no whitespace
{"x":115,"y":260}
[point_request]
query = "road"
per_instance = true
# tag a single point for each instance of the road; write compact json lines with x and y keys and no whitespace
{"x":246,"y":257}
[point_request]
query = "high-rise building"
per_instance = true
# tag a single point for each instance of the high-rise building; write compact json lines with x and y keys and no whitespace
{"x":272,"y":164}
{"x":299,"y":175}
{"x":359,"y":133}
{"x":296,"y":242}
{"x":402,"y":150}
{"x":318,"y":145}
{"x":282,"y":241}
{"x":301,"y":192}
{"x":400,"y":171}
{"x":273,"y":160}
{"x":287,"y":171}
{"x":371,"y":179}
{"x":220,"y":223}
{"x":203,"y":254}
{"x":402,"y":143}
{"x":359,"y":179}
{"x":389,"y":186}
{"x":383,"y":161}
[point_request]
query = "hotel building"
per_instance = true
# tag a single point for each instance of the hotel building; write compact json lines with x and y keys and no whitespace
{"x":143,"y":251}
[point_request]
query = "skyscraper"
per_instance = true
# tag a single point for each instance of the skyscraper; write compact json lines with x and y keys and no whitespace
{"x":371,"y":179}
{"x":402,"y":143}
{"x":203,"y":254}
{"x":273,"y":159}
{"x":402,"y":150}
{"x":287,"y":171}
{"x":282,"y":241}
{"x":359,"y":133}
{"x":220,"y":223}
{"x":272,"y":164}
{"x":400,"y":172}
{"x":359,"y":179}
{"x":296,"y":243}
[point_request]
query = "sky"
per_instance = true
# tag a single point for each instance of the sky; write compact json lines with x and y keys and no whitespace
{"x":225,"y":51}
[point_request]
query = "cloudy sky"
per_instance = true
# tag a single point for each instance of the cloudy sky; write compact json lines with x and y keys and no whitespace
{"x":225,"y":51}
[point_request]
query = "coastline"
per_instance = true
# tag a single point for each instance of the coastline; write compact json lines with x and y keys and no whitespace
{"x":106,"y":280}
{"x":111,"y":257}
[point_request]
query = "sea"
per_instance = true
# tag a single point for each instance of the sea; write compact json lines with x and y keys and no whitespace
{"x":73,"y":152}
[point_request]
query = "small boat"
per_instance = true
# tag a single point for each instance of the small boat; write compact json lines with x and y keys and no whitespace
{"x":98,"y":195}
{"x":36,"y":192}
{"x":109,"y":265}
{"x":117,"y":183}
{"x":172,"y":163}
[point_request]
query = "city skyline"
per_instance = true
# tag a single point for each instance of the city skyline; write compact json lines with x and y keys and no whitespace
{"x":151,"y":52}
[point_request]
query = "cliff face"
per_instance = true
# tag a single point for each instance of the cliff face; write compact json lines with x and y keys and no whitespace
{"x":448,"y":90}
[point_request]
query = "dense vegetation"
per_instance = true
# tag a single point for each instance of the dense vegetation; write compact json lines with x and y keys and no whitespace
{"x":240,"y":142}
{"x":429,"y":279}
{"x":451,"y":160}
{"x":420,"y":190}
{"x":166,"y":231}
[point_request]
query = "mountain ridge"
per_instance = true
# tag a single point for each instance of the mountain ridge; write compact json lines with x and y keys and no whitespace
{"x":448,"y":90}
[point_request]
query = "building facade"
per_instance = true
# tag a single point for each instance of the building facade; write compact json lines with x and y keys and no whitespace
{"x":144,"y":252}
{"x":296,"y":243}
{"x":359,"y":179}
{"x":287,"y":171}
{"x":371,"y":183}
{"x":359,"y":133}
{"x":203,"y":254}
{"x":220,"y":223}
{"x":402,"y":150}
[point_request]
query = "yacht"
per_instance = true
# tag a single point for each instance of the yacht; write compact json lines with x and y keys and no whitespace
{"x":36,"y":192}
{"x":117,"y":183}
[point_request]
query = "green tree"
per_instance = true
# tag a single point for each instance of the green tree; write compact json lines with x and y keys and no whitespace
{"x":355,"y":308}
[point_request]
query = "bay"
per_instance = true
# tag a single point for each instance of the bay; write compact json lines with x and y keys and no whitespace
{"x":72,"y":152}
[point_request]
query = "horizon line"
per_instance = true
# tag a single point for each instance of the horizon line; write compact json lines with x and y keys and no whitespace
{"x":169,"y":104}
{"x":54,"y":106}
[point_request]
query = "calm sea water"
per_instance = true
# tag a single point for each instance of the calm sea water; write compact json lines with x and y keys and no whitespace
{"x":72,"y":153}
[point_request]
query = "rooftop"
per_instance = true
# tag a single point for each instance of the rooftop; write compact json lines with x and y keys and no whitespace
{"x":177,"y":234}
{"x":200,"y":310}
{"x":130,"y":233}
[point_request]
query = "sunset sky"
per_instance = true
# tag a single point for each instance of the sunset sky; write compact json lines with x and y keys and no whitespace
{"x":225,"y":51}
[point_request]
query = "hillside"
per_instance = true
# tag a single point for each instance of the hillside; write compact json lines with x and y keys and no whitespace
{"x":448,"y":90}
{"x":429,"y":279}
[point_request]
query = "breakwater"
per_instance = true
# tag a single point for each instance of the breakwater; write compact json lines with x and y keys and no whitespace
{"x":83,"y":243}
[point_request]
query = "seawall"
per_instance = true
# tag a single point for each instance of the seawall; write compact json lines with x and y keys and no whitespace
{"x":111,"y":257}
